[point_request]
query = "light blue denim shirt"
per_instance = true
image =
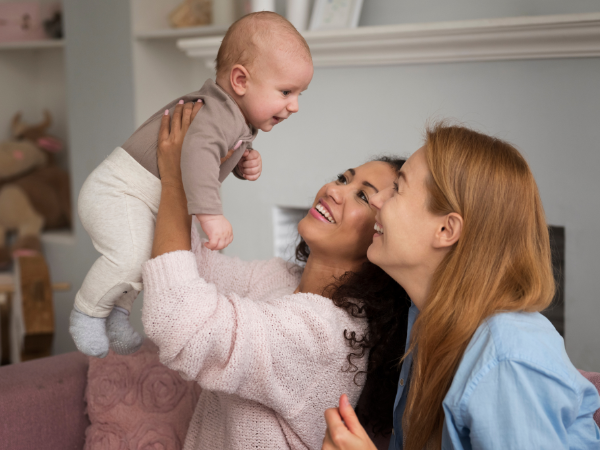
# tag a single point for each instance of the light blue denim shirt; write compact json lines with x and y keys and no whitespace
{"x":515,"y":388}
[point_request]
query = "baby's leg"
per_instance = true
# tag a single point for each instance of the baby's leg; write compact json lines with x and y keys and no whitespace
{"x":123,"y":338}
{"x":117,"y":221}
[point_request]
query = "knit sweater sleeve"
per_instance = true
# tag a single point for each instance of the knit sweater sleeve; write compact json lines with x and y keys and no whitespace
{"x":265,"y":351}
{"x":228,"y":274}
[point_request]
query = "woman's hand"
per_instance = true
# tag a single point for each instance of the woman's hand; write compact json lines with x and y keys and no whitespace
{"x":170,"y":140}
{"x":173,"y":223}
{"x":344,"y":431}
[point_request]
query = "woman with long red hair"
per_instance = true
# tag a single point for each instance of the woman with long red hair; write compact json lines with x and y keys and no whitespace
{"x":464,"y":233}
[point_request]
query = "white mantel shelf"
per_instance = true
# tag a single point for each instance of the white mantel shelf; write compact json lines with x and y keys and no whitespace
{"x":538,"y":37}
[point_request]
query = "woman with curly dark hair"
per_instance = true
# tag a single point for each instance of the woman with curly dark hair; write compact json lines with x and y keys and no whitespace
{"x":373,"y":294}
{"x":273,"y":346}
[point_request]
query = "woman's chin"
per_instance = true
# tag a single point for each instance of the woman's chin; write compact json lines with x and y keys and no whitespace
{"x":374,"y":250}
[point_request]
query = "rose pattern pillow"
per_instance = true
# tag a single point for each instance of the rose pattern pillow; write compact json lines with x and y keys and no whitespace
{"x":136,"y":403}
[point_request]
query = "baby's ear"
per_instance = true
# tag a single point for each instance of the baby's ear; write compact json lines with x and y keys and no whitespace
{"x":239,"y":79}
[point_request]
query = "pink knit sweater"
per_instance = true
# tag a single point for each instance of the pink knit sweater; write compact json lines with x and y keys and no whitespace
{"x":269,"y":361}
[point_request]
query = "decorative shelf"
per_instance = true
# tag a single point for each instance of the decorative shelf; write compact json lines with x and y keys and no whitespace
{"x":560,"y":36}
{"x":178,"y":33}
{"x":33,"y":45}
{"x":64,"y":237}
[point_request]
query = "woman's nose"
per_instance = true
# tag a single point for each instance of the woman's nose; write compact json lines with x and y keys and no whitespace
{"x":377,"y":200}
{"x":334,"y":192}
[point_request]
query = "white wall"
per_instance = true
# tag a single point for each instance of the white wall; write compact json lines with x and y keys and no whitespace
{"x":548,"y":108}
{"x":100,"y":117}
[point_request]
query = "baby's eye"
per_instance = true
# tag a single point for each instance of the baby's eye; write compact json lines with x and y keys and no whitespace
{"x":341,"y":178}
{"x":286,"y":93}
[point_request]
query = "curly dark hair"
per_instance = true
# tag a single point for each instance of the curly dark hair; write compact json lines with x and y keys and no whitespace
{"x":373,"y":294}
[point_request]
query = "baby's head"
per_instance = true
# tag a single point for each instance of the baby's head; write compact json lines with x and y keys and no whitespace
{"x":264,"y":64}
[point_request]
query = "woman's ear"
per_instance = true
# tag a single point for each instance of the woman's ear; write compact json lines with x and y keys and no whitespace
{"x":449,"y":231}
{"x":238,"y":77}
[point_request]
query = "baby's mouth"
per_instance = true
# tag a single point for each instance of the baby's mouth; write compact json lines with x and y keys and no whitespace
{"x":323,"y":211}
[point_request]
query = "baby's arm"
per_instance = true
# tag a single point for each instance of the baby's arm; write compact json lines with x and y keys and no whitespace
{"x":217,"y":228}
{"x":205,"y":146}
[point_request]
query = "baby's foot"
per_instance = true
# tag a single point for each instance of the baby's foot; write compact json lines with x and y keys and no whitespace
{"x":89,"y":334}
{"x":124,"y":340}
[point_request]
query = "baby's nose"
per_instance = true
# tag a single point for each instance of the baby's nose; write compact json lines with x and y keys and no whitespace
{"x":293,"y":106}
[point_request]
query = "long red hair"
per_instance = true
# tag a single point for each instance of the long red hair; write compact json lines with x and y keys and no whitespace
{"x":500,"y":263}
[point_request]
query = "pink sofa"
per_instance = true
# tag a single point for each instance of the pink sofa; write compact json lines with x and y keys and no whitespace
{"x":42,"y":403}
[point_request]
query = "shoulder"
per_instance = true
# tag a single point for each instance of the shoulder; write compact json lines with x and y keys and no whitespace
{"x":516,"y":350}
{"x":527,"y":338}
{"x":277,"y":267}
{"x":325,"y":324}
{"x":274,"y":273}
{"x":219,"y":108}
{"x":277,"y":275}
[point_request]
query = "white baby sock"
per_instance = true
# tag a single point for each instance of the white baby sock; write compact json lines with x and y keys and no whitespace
{"x":123,"y":339}
{"x":89,"y":334}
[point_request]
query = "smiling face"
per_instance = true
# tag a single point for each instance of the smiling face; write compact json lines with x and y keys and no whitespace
{"x":275,"y":82}
{"x":404,"y":244}
{"x":340,"y":223}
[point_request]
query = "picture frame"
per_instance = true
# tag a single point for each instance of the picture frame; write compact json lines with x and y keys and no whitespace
{"x":335,"y":14}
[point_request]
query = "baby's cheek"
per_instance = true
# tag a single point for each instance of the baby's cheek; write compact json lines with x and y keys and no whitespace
{"x":261,"y":108}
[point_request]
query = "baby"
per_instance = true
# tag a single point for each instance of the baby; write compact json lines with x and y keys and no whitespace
{"x":263,"y":65}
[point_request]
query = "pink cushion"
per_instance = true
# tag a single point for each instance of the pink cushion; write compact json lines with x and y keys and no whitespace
{"x":134,"y":402}
{"x":594,"y":378}
{"x":41,"y":403}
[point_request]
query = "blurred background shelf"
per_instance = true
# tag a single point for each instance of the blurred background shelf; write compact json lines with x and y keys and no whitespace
{"x":63,"y":237}
{"x":533,"y":37}
{"x":178,"y":33}
{"x":33,"y":45}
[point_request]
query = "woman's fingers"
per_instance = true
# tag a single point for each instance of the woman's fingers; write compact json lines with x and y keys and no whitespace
{"x":165,"y":127}
{"x":327,"y":442}
{"x":349,"y":416}
{"x":186,"y":116}
{"x":197,"y":107}
{"x":176,"y":121}
{"x":344,"y":431}
{"x":335,"y":426}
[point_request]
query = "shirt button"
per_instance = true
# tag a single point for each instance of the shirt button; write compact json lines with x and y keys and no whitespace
{"x":401,"y":381}
{"x":393,"y":431}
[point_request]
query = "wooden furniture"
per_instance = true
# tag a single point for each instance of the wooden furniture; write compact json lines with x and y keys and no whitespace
{"x":27,"y":310}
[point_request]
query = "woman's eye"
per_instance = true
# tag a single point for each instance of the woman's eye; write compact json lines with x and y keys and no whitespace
{"x":363,"y":196}
{"x":341,"y":178}
{"x":286,"y":93}
{"x":395,"y":186}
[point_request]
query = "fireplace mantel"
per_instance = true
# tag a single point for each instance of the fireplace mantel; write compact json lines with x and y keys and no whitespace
{"x":536,"y":37}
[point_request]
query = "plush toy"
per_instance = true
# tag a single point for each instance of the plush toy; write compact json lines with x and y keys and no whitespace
{"x":34,"y":192}
{"x":191,"y":13}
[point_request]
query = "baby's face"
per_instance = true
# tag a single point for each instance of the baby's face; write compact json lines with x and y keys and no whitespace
{"x":273,"y":90}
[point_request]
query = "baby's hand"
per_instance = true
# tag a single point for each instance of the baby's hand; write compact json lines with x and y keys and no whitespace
{"x":251,"y":164}
{"x":218,"y":229}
